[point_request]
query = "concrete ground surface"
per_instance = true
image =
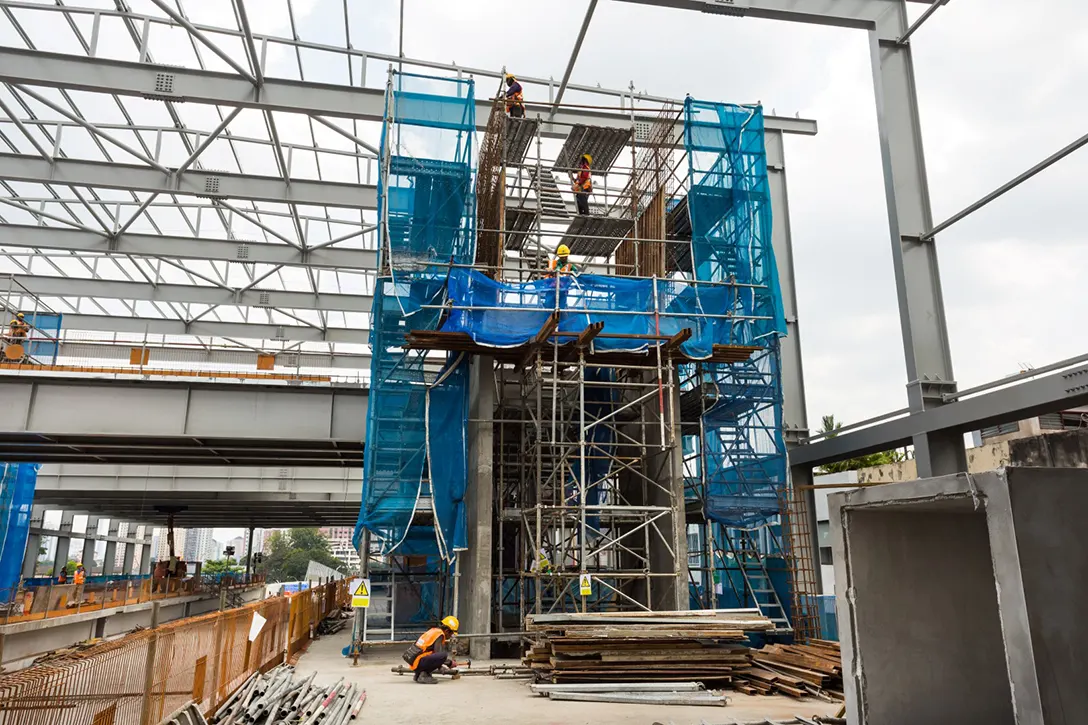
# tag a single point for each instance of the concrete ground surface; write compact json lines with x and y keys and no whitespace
{"x":482,"y":700}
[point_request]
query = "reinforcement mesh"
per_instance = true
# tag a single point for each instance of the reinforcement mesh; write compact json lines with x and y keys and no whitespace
{"x":729,"y":204}
{"x":427,"y":211}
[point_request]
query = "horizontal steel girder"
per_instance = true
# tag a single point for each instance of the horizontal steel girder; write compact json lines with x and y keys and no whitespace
{"x":57,"y":70}
{"x":861,"y":14}
{"x":195,"y":294}
{"x":212,"y":328}
{"x":199,"y":355}
{"x":66,"y":420}
{"x":1046,"y":394}
{"x":210,"y":184}
{"x":69,"y":239}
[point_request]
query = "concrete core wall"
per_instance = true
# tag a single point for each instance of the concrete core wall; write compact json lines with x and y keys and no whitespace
{"x":927,"y":616}
{"x":963,"y":598}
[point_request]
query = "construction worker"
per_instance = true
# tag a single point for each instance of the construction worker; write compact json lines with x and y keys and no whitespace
{"x":18,"y":329}
{"x":79,"y":579}
{"x":431,"y":652}
{"x":515,"y":101}
{"x":583,"y":185}
{"x":561,"y":264}
{"x":62,"y":578}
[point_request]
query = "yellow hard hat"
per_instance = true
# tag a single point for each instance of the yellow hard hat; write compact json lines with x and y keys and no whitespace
{"x":451,"y":623}
{"x":20,"y":315}
{"x":510,"y":77}
{"x":563,"y":250}
{"x":588,"y":158}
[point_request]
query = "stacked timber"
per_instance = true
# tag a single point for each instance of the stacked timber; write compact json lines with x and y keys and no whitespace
{"x":703,"y":646}
{"x":793,"y":669}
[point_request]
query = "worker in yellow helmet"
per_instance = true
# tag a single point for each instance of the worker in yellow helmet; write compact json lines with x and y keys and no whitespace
{"x":18,"y":329}
{"x":561,"y":264}
{"x":431,"y":651}
{"x":515,"y":100}
{"x":583,"y":185}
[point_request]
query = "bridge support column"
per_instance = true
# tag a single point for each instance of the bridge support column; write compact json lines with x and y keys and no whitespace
{"x":130,"y":551}
{"x":475,"y":564}
{"x":109,"y":559}
{"x":64,"y":542}
{"x":88,"y":544}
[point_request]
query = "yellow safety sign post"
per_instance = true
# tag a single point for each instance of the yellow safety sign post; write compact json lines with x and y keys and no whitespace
{"x":360,"y":593}
{"x":585,"y":585}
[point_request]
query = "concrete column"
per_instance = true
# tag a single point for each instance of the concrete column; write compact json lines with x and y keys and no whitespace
{"x":64,"y":542}
{"x":145,"y":552}
{"x":110,"y":556}
{"x":130,"y":552}
{"x":88,"y":544}
{"x":249,"y":552}
{"x":475,"y":564}
{"x":33,"y":542}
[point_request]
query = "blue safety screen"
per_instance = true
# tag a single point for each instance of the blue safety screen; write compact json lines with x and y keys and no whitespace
{"x":743,"y":453}
{"x":426,"y":213}
{"x":17,"y":482}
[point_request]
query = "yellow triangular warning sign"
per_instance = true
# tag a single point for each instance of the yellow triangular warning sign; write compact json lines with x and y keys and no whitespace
{"x":361,"y":590}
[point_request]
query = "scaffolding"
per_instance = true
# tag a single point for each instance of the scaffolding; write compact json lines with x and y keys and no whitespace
{"x":638,"y":460}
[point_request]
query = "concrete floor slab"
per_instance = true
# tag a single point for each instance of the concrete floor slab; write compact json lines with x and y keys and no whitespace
{"x":395,"y":699}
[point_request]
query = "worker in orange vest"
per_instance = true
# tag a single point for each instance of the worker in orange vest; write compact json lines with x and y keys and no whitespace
{"x":561,"y":264}
{"x":583,"y":185}
{"x":515,"y":101}
{"x":431,"y":651}
{"x":81,"y":575}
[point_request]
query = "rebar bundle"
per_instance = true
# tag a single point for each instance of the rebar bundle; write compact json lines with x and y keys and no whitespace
{"x":279,"y":698}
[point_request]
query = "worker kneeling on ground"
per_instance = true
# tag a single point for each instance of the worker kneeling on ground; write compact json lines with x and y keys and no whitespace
{"x":430,"y":651}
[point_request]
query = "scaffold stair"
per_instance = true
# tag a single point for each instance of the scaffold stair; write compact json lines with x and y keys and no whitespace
{"x":545,"y":185}
{"x":757,"y":579}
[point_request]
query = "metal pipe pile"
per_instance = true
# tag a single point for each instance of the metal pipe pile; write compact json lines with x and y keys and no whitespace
{"x":635,"y":693}
{"x":278,"y":698}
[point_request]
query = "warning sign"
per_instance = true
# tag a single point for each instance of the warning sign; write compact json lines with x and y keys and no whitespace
{"x":360,"y":593}
{"x":585,"y":585}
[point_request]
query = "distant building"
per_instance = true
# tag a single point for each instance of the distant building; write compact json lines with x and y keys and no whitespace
{"x":340,"y":545}
{"x":198,"y":542}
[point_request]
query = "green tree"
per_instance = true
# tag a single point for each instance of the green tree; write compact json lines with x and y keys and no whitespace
{"x":830,"y":427}
{"x":290,"y":553}
{"x":221,"y":566}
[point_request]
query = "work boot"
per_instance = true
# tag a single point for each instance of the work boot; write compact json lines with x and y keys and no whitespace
{"x":426,"y":679}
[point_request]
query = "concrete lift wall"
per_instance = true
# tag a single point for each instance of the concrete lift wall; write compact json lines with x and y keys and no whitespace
{"x":963,"y":598}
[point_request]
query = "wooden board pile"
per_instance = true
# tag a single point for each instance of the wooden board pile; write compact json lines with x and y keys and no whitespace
{"x":704,"y":646}
{"x":793,"y":669}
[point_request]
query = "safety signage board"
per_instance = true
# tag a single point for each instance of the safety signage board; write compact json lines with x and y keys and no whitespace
{"x":360,"y":593}
{"x":585,"y":585}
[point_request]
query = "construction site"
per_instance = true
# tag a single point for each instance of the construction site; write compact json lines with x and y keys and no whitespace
{"x":534,"y":345}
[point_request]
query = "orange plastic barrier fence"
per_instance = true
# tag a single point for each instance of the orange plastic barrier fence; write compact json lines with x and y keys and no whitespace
{"x":146,"y":675}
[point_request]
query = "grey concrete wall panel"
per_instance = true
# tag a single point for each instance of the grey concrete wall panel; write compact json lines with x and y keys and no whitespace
{"x":259,"y":414}
{"x":1068,"y":449}
{"x":925,"y":562}
{"x":77,"y":408}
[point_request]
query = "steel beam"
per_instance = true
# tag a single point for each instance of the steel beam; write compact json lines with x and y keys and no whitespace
{"x":176,"y":247}
{"x":1057,"y":391}
{"x":168,"y":83}
{"x":861,"y":14}
{"x":199,"y":355}
{"x":94,"y":420}
{"x":193,"y":182}
{"x":212,"y":328}
{"x":194,"y":294}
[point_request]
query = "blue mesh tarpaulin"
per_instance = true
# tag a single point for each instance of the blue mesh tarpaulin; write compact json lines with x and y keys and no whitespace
{"x":507,"y":314}
{"x":43,"y":344}
{"x":729,"y":205}
{"x":17,"y":481}
{"x":426,"y":212}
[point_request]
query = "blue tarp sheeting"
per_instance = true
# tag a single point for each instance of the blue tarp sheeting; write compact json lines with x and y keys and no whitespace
{"x":17,"y":481}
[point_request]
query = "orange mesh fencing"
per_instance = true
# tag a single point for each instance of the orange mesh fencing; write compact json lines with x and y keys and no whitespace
{"x":144,"y":676}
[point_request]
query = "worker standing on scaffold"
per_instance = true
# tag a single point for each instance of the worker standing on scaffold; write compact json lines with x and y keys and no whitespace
{"x":17,"y":333}
{"x":583,"y":185}
{"x":515,"y":101}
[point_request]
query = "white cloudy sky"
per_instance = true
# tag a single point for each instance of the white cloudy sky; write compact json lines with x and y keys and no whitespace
{"x":1001,"y":87}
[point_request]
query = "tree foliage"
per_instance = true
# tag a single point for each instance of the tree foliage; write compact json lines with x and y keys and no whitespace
{"x":290,"y":553}
{"x":221,"y":566}
{"x":830,"y":428}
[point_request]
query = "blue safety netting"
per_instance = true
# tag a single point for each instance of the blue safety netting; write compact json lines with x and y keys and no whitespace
{"x":508,"y":314}
{"x":729,"y":204}
{"x":427,"y":212}
{"x":44,"y":340}
{"x":17,"y":482}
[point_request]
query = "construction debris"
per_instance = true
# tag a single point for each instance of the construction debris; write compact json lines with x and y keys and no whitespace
{"x":644,"y":693}
{"x":702,"y":645}
{"x":277,"y":698}
{"x":813,"y":669}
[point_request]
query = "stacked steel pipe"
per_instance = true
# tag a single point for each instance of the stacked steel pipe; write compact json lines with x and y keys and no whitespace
{"x":279,"y":698}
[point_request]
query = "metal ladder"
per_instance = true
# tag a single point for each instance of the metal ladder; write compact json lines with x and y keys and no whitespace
{"x":756,"y":578}
{"x":551,"y":203}
{"x":383,"y":626}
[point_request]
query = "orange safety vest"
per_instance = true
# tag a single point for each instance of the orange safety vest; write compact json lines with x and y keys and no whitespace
{"x":80,"y":577}
{"x":516,"y":98}
{"x":553,"y":265}
{"x":584,"y":182}
{"x":18,"y":328}
{"x":427,"y":642}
